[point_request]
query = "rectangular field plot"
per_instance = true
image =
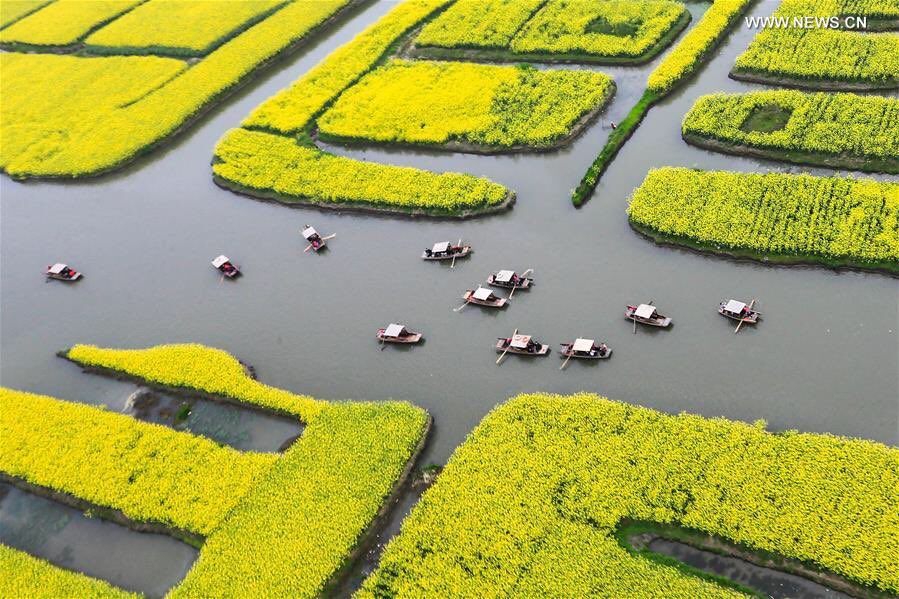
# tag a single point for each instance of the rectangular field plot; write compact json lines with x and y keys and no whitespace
{"x":13,"y":10}
{"x":64,"y":22}
{"x":822,"y":57}
{"x":845,"y":130}
{"x":612,"y":29}
{"x":532,"y":503}
{"x":461,"y":104}
{"x":627,"y":31}
{"x":270,"y":525}
{"x":772,"y":217}
{"x":179,"y":27}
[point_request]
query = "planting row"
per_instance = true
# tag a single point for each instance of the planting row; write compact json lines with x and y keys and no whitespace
{"x":859,"y":132}
{"x":63,"y":22}
{"x":279,"y":535}
{"x":775,"y":217}
{"x":530,"y":503}
{"x":824,"y":57}
{"x":99,"y":113}
{"x":439,"y":102}
{"x":14,"y":10}
{"x":571,"y":30}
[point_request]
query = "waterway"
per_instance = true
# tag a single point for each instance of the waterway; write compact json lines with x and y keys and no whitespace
{"x":824,"y":358}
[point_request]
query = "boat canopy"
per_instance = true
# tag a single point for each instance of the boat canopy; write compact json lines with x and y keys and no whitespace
{"x":583,"y":345}
{"x":645,"y":311}
{"x":520,"y":341}
{"x":57,"y":268}
{"x":734,"y":307}
{"x":219,"y":261}
{"x":482,"y":293}
{"x":504,"y":276}
{"x":394,"y":330}
{"x":309,"y":232}
{"x":441,"y":248}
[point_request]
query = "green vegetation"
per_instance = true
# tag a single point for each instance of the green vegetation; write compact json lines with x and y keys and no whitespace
{"x":22,"y":575}
{"x":179,"y":28}
{"x":286,"y":534}
{"x":824,"y":58}
{"x":774,"y":217}
{"x":847,"y":130}
{"x":530,"y":503}
{"x":434,"y":103}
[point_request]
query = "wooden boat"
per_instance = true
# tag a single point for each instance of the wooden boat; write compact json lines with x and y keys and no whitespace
{"x":62,"y":272}
{"x":316,"y":241}
{"x":586,"y":349}
{"x":444,"y":250}
{"x":510,"y":279}
{"x":397,"y":333}
{"x":524,"y":345}
{"x":227,"y":268}
{"x":484,"y":297}
{"x":737,"y":310}
{"x":646,"y":314}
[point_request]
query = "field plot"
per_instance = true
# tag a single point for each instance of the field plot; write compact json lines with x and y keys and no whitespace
{"x":23,"y":575}
{"x":773,"y":217}
{"x":179,"y":27}
{"x":437,"y":103}
{"x":826,"y":58}
{"x":533,"y":503}
{"x":13,"y":10}
{"x":844,"y":130}
{"x":86,"y":133}
{"x":265,"y":529}
{"x":613,"y":31}
{"x":64,"y":22}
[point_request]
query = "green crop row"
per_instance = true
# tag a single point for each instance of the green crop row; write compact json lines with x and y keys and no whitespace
{"x":689,"y":53}
{"x":530,"y":503}
{"x":288,"y":534}
{"x":837,"y":127}
{"x":22,"y":575}
{"x":148,"y":471}
{"x":276,"y":166}
{"x":775,"y":216}
{"x":122,"y":113}
{"x":434,"y":103}
{"x":814,"y":56}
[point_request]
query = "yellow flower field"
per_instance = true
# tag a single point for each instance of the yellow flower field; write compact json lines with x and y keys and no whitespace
{"x":284,"y":534}
{"x":529,"y":504}
{"x":831,"y":220}
{"x":837,"y":126}
{"x":22,"y":575}
{"x":478,"y":23}
{"x":179,"y":27}
{"x":13,"y":10}
{"x":107,"y":127}
{"x":437,"y":102}
{"x":811,"y":57}
{"x":64,"y":22}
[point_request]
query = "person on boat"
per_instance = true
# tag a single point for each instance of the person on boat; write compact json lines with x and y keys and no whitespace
{"x":428,"y":252}
{"x":514,"y":279}
{"x":603,"y":349}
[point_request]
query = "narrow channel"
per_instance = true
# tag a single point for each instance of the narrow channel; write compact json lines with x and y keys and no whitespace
{"x":143,"y":562}
{"x":772,"y":583}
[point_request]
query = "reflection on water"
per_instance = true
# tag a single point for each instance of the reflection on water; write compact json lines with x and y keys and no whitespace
{"x":144,"y":562}
{"x":771,"y":582}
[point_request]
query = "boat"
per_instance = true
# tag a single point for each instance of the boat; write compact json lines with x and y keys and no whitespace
{"x":397,"y":333}
{"x":521,"y":344}
{"x":737,"y":310}
{"x":484,"y":297}
{"x":646,"y":314}
{"x":444,"y":250}
{"x":510,"y":279}
{"x":62,"y":272}
{"x":585,"y":348}
{"x":227,"y":268}
{"x":316,"y":241}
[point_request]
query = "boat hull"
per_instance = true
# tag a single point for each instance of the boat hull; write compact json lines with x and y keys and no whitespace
{"x":753,"y":317}
{"x":501,"y":346}
{"x":71,"y":279}
{"x":567,"y":353}
{"x":466,"y":251}
{"x":407,"y":340}
{"x":523,"y":284}
{"x":500,"y":302}
{"x":661,"y":322}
